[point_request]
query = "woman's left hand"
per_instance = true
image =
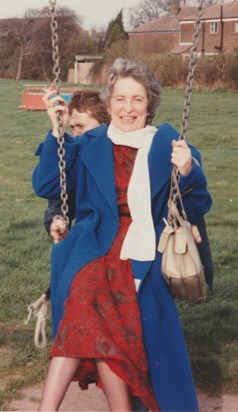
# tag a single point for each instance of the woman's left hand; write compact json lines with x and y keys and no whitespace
{"x":181,"y":156}
{"x":55,"y":104}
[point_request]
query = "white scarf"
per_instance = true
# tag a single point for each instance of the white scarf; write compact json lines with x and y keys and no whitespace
{"x":139,"y":243}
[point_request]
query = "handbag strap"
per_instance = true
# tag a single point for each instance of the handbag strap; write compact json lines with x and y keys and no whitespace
{"x":174,"y":216}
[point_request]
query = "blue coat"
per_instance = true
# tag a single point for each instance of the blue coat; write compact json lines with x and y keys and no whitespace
{"x":90,"y":171}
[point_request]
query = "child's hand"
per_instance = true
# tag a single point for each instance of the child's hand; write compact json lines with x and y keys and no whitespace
{"x":58,"y":228}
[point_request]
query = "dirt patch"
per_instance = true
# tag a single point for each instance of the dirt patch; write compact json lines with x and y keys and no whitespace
{"x":93,"y":400}
{"x":224,"y":403}
{"x":75,"y":400}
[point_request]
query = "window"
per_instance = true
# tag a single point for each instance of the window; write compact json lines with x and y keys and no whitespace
{"x":236,"y":26}
{"x":214,"y":27}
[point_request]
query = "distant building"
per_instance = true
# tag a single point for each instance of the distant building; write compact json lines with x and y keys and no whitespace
{"x":219,"y":31}
{"x":83,"y":74}
{"x":172,"y":32}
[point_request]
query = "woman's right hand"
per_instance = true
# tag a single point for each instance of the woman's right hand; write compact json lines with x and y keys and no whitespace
{"x":55,"y":104}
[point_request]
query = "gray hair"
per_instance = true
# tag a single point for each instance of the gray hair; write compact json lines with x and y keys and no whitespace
{"x":141,"y":73}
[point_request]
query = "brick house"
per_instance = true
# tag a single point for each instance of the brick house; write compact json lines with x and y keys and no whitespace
{"x":219,"y":30}
{"x":172,"y":32}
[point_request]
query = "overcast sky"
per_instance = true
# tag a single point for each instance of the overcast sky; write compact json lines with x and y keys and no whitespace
{"x":96,"y":13}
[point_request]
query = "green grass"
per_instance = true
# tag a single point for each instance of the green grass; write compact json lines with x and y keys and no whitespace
{"x":211,"y":328}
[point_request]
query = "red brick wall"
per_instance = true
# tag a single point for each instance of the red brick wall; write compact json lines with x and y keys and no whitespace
{"x":230,"y":38}
{"x":209,"y":40}
{"x":186,"y":33}
{"x":152,"y":42}
{"x":162,"y":43}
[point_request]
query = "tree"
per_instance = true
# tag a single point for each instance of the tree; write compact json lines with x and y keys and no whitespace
{"x":26,"y":45}
{"x":77,"y":44}
{"x":20,"y":35}
{"x":115,"y":31}
{"x":68,"y":26}
{"x":147,"y":10}
{"x":115,"y":36}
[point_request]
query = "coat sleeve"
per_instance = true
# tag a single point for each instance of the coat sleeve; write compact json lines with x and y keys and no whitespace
{"x":54,"y":208}
{"x":46,"y":176}
{"x":196,"y":198}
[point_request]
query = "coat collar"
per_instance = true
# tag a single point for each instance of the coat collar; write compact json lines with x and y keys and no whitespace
{"x":99,"y":150}
{"x":160,"y":165}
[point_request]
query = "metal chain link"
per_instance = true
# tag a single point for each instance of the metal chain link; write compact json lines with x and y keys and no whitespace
{"x":188,"y":94}
{"x":191,"y":70}
{"x":61,"y":140}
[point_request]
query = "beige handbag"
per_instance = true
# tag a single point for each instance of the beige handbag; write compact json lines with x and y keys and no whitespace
{"x":181,"y":265}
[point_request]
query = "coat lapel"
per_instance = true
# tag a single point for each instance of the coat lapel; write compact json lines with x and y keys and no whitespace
{"x":98,"y":158}
{"x":159,"y":159}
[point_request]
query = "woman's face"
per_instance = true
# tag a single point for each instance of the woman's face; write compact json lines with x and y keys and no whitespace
{"x":128,"y":105}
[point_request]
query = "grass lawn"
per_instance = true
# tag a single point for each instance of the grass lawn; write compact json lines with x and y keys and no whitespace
{"x":211,"y":328}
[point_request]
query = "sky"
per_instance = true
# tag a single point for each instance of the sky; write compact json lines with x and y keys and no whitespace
{"x":96,"y":13}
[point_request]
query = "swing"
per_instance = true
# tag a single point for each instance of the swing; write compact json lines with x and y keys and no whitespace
{"x":39,"y":307}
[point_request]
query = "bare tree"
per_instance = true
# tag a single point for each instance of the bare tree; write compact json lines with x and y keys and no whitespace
{"x":26,"y":42}
{"x":24,"y":37}
{"x":147,"y":10}
{"x":19,"y":33}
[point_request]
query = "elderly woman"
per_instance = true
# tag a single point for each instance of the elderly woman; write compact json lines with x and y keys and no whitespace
{"x":121,"y":175}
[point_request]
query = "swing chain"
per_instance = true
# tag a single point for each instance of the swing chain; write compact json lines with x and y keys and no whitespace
{"x":191,"y":70}
{"x":61,"y":140}
{"x":188,"y":91}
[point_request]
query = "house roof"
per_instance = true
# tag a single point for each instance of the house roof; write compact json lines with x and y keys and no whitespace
{"x":229,"y":10}
{"x":167,"y":22}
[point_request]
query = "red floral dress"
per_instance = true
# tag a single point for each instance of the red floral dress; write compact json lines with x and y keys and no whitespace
{"x":101,"y":318}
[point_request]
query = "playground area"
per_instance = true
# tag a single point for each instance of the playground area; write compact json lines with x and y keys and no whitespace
{"x":31,"y":96}
{"x":209,"y":328}
{"x":208,"y":325}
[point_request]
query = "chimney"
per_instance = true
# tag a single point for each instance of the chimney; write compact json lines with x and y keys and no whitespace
{"x":175,"y":6}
